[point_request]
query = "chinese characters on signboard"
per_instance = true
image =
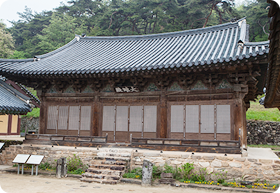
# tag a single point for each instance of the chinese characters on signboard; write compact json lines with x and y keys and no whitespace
{"x":126,"y":89}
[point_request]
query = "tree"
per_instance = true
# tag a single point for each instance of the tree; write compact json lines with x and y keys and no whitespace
{"x":60,"y":31}
{"x":6,"y":42}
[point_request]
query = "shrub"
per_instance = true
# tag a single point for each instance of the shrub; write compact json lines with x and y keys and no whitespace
{"x":185,"y":170}
{"x":75,"y":163}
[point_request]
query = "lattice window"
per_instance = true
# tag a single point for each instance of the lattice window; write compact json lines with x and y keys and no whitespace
{"x":74,"y":117}
{"x":136,"y":116}
{"x":63,"y":117}
{"x":85,"y":117}
{"x":108,"y":123}
{"x":150,"y":118}
{"x":207,"y":118}
{"x":192,"y":118}
{"x":122,"y":118}
{"x":177,"y":118}
{"x":223,"y":119}
{"x":52,"y":117}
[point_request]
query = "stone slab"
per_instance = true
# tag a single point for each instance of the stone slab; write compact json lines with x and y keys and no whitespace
{"x":261,"y":153}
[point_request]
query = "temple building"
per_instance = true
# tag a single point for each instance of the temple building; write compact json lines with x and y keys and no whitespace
{"x":190,"y":85}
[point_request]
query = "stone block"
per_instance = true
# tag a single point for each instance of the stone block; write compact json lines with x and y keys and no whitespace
{"x":225,"y":164}
{"x":185,"y":156}
{"x":170,"y":155}
{"x":234,"y":172}
{"x":240,"y":159}
{"x":276,"y":167}
{"x":235,"y":165}
{"x":210,"y":158}
{"x":195,"y":157}
{"x":216,"y":164}
{"x":252,"y":160}
{"x":176,"y":162}
{"x":265,"y":161}
{"x":267,"y":167}
{"x":268,"y":172}
{"x":147,"y":154}
{"x":249,"y":172}
{"x":204,"y":164}
{"x":277,"y":161}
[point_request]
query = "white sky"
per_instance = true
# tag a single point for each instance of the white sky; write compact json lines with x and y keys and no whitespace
{"x":9,"y":8}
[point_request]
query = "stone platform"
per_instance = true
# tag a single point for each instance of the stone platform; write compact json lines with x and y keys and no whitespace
{"x":237,"y":167}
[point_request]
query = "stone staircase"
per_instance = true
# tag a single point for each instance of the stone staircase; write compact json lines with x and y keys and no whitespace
{"x":108,"y":167}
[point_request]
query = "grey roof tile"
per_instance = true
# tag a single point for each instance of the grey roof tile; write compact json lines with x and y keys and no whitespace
{"x":12,"y":101}
{"x":203,"y":46}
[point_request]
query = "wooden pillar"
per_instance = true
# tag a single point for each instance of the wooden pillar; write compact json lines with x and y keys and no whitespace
{"x":240,"y":129}
{"x":163,"y":116}
{"x":96,"y":117}
{"x":43,"y":116}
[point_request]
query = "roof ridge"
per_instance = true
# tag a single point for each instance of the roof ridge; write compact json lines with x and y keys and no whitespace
{"x":166,"y":34}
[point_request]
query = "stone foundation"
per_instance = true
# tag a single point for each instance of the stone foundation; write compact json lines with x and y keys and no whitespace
{"x":263,"y":132}
{"x":235,"y":166}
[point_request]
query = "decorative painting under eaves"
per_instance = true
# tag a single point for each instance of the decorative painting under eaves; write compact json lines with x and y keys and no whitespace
{"x":52,"y":90}
{"x":69,"y":90}
{"x":152,"y":87}
{"x":175,"y":87}
{"x":108,"y":88}
{"x":199,"y":86}
{"x":224,"y":84}
{"x":88,"y":90}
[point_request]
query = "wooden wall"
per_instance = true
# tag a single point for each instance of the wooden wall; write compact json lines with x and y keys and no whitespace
{"x":161,"y":99}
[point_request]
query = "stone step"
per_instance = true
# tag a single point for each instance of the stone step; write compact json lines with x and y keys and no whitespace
{"x":104,"y":172}
{"x":112,"y":154}
{"x":107,"y":166}
{"x":100,"y":176}
{"x":109,"y":158}
{"x":101,"y":181}
{"x":119,"y":163}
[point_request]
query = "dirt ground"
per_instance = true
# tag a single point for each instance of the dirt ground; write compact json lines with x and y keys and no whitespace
{"x":13,"y":183}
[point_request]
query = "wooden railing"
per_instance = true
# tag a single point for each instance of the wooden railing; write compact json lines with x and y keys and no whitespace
{"x":185,"y":142}
{"x":68,"y":138}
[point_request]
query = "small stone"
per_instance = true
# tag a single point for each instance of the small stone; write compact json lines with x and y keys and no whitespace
{"x":277,"y":161}
{"x":185,"y":156}
{"x":195,"y":157}
{"x":276,"y":167}
{"x":151,"y":154}
{"x":267,"y":167}
{"x":249,"y":172}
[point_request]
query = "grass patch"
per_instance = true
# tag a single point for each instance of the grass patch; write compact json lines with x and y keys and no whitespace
{"x":258,"y":112}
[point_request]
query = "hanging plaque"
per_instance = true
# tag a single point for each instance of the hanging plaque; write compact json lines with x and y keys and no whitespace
{"x":126,"y":89}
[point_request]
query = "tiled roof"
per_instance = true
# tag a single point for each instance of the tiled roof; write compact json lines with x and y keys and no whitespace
{"x":92,"y":55}
{"x":12,"y":101}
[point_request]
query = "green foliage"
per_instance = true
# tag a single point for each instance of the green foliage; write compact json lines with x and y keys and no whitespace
{"x":185,"y":170}
{"x":222,"y":176}
{"x":258,"y":112}
{"x":198,"y":176}
{"x":168,"y":169}
{"x":157,"y":170}
{"x":34,"y":113}
{"x":6,"y":42}
{"x":46,"y":166}
{"x":77,"y":171}
{"x":135,"y":173}
{"x":75,"y":164}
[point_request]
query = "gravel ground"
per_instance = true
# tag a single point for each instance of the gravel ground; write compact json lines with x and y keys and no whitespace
{"x":13,"y":183}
